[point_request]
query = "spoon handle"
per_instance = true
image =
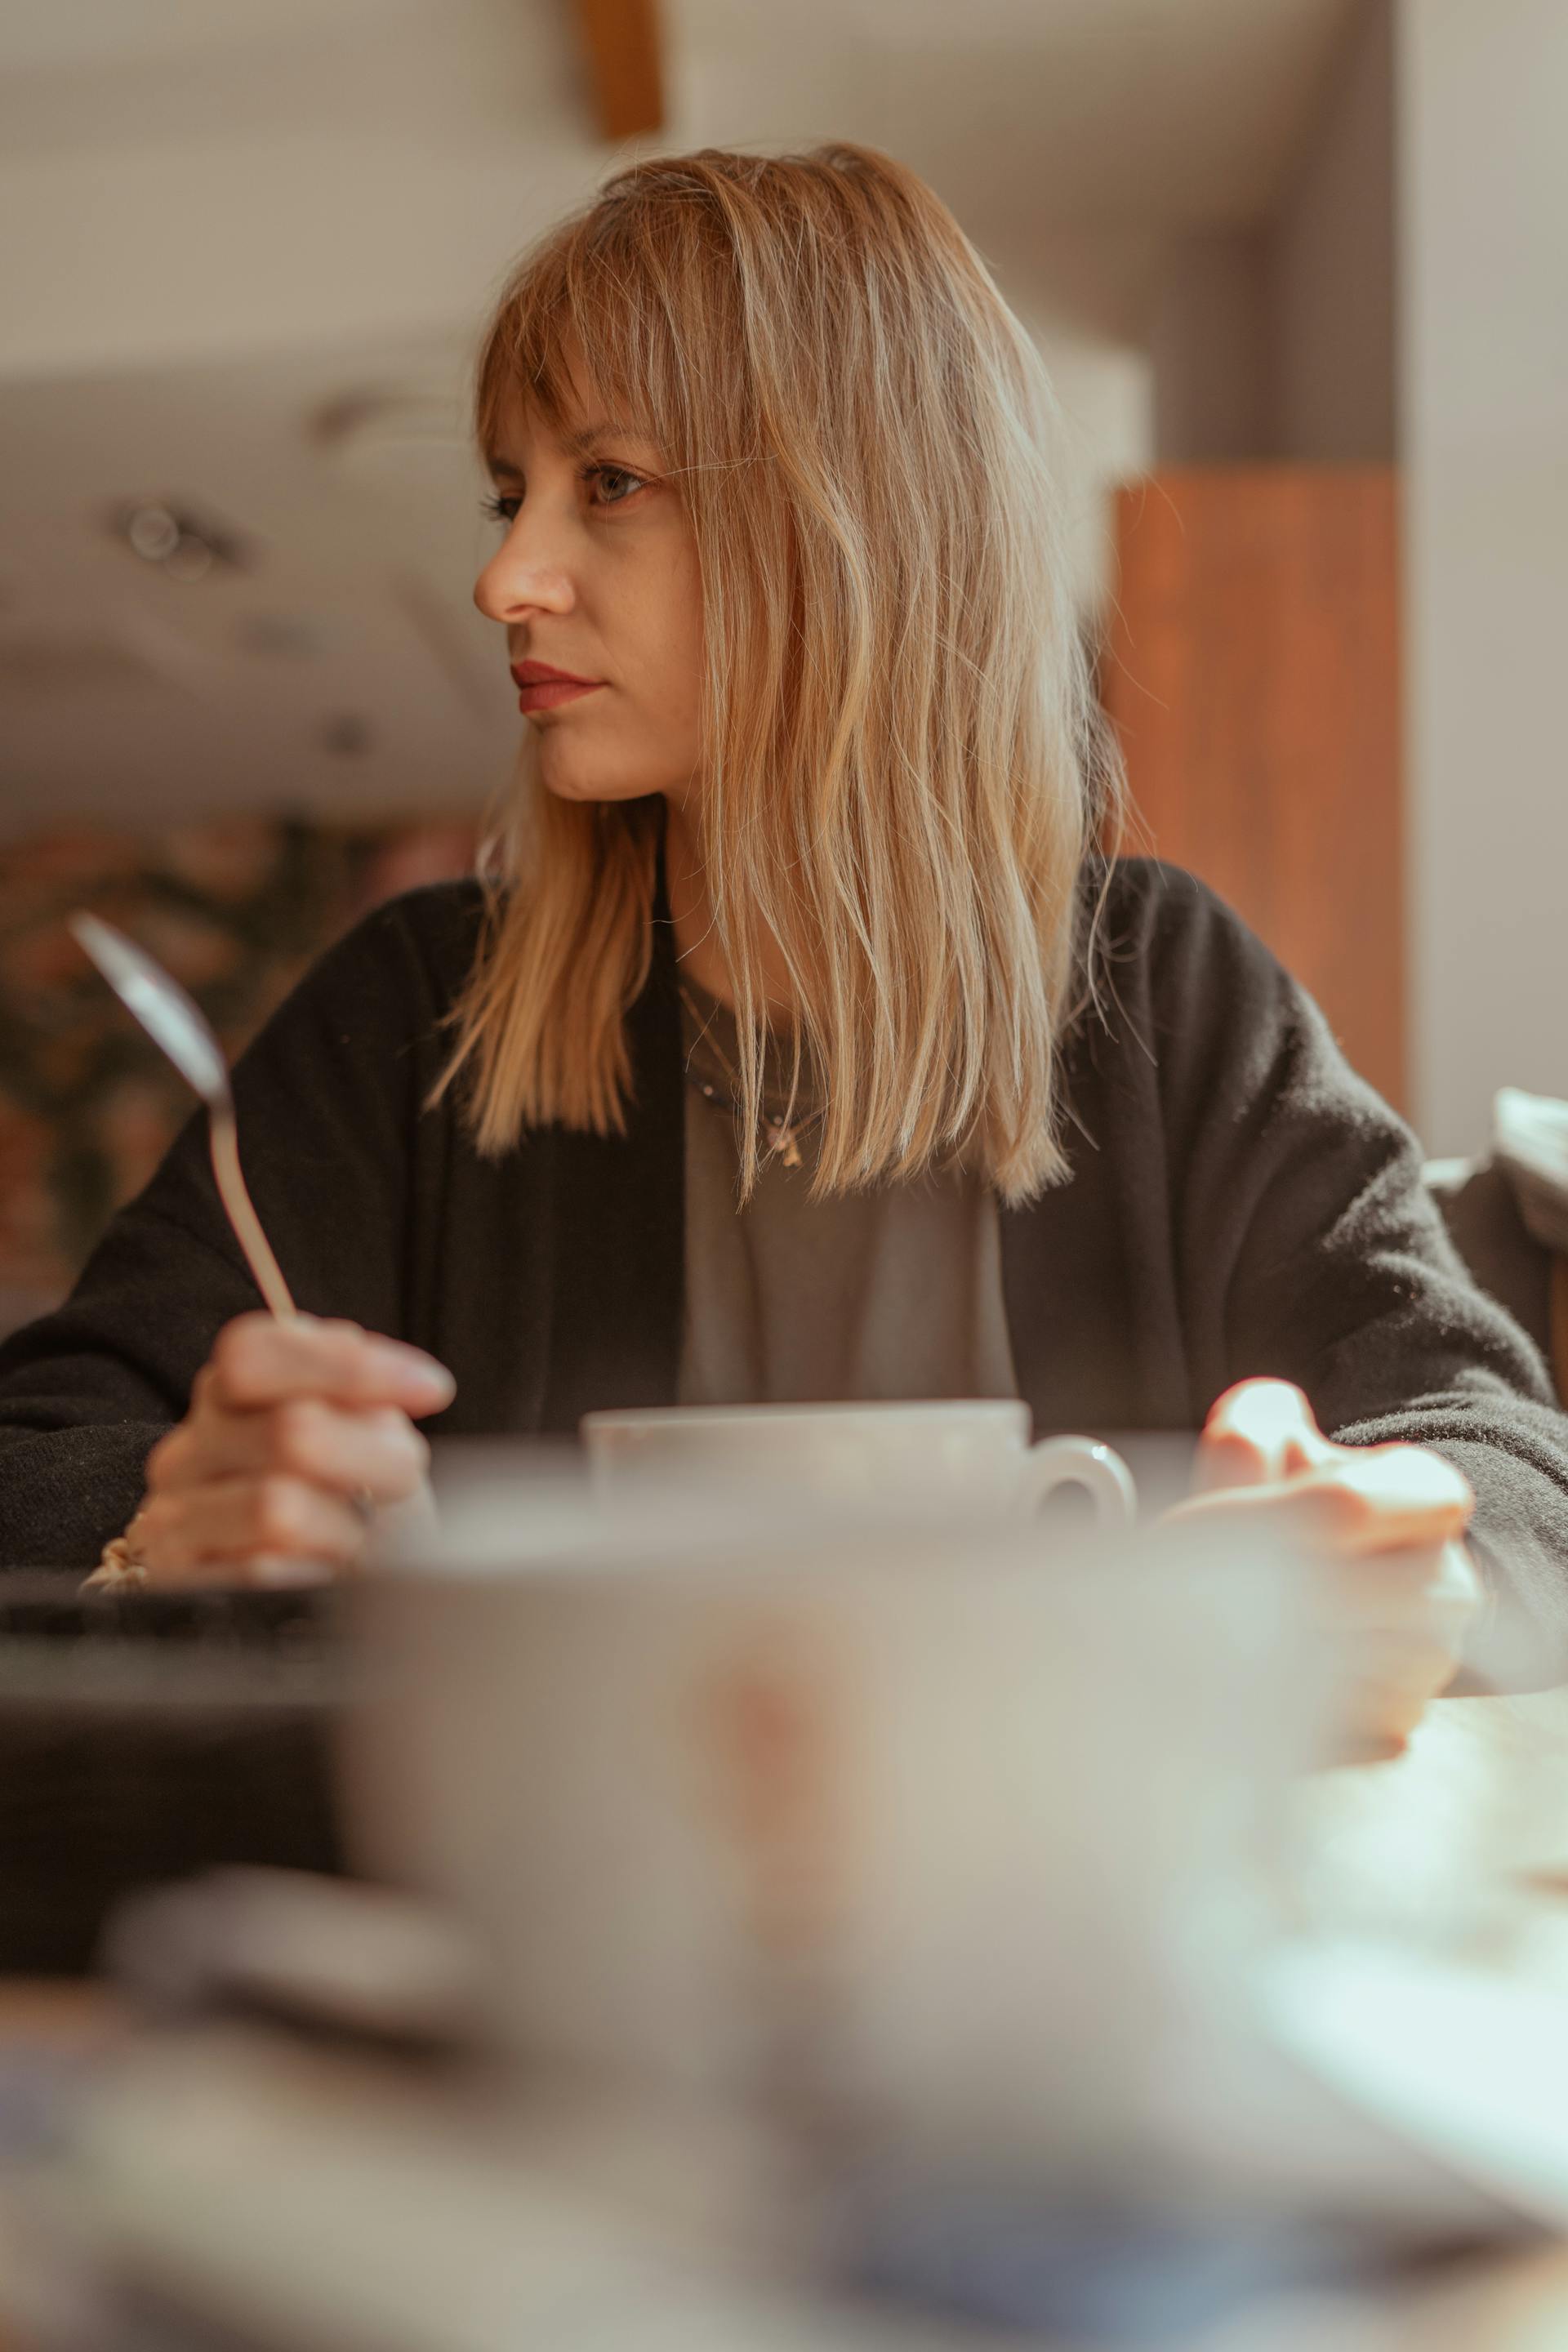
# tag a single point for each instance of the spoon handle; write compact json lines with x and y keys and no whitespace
{"x":242,"y":1215}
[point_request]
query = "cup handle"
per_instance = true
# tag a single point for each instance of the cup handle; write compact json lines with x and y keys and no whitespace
{"x":1079,"y":1462}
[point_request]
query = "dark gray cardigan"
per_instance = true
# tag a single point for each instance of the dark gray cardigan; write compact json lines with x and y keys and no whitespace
{"x":1240,"y":1202}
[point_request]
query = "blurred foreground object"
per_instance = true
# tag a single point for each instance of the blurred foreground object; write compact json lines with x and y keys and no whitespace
{"x":824,"y":1928}
{"x":1377,"y":2093}
{"x":914,"y":1832}
{"x":359,"y":1960}
{"x":145,"y":1736}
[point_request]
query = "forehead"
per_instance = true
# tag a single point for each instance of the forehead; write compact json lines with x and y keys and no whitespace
{"x":585,"y":424}
{"x":515,"y":432}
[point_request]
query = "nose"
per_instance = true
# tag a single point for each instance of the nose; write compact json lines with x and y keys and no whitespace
{"x":522,"y":578}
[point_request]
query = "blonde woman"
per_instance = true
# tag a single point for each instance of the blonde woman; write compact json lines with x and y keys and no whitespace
{"x":798,"y":1043}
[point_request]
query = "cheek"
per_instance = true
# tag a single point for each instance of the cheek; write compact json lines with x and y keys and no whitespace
{"x":672,"y":650}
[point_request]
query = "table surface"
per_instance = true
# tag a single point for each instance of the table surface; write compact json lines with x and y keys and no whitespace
{"x":1482,"y":1778}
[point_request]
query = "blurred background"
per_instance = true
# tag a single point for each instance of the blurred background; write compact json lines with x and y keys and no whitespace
{"x":1296,"y":266}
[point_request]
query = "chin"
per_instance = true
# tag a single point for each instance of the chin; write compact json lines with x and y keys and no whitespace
{"x":580,"y":787}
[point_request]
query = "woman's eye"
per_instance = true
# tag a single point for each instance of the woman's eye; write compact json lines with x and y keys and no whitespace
{"x":616,"y":474}
{"x":505,"y":509}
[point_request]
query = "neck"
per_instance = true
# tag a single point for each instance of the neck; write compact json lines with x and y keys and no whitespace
{"x":697,"y":951}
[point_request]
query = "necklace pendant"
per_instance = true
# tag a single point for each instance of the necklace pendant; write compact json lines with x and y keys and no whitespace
{"x":781,"y":1139}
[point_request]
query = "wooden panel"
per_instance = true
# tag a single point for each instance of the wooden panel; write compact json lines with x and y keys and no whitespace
{"x":1252,"y":672}
{"x":621,"y":38}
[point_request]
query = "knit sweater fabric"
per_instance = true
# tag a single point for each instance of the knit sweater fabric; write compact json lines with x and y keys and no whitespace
{"x":1238,"y":1202}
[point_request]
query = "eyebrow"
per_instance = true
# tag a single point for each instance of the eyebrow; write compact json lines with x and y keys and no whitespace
{"x":583,"y":438}
{"x":613,"y":428}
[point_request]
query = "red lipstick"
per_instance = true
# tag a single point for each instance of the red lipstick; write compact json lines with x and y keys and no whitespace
{"x":542,"y":687}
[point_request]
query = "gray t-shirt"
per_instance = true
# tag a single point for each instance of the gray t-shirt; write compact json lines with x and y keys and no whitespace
{"x":887,"y":1293}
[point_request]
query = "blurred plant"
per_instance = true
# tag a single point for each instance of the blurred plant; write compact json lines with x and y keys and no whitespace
{"x":237,"y":912}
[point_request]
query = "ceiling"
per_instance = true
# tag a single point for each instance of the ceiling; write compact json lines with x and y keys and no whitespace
{"x":242,"y":217}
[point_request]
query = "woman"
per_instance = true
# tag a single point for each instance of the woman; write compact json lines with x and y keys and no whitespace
{"x":804,"y":1045}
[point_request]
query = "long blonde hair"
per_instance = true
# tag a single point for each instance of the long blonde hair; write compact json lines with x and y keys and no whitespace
{"x":905,"y":766}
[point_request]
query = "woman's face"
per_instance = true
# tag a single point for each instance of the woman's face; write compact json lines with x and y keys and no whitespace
{"x":597,"y":575}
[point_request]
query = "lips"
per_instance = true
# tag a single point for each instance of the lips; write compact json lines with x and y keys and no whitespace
{"x":538,"y":673}
{"x":542,"y":686}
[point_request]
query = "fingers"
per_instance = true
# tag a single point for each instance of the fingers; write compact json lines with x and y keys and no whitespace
{"x":1429,"y":1591}
{"x":1258,"y":1432}
{"x":260,"y":1360}
{"x":1374,"y":1592}
{"x":290,"y":1417}
{"x":1383,"y":1497}
{"x":1261,"y":1439}
{"x":1396,"y":1605}
{"x":204,"y":1533}
{"x":1368,"y":1499}
{"x":374,"y":1450}
{"x":1396,"y":1591}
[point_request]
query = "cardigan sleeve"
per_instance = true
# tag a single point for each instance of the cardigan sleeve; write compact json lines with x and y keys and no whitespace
{"x":1310,"y":1250}
{"x":326,"y":1098}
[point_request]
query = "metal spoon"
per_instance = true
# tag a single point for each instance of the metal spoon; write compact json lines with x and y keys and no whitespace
{"x":181,"y":1028}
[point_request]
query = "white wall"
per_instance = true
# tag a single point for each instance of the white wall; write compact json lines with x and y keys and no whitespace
{"x":1483,"y":254}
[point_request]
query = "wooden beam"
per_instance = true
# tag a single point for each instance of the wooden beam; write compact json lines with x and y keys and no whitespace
{"x":626,"y":63}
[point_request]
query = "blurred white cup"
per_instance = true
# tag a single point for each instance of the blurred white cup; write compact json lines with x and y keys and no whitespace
{"x":859,"y":1819}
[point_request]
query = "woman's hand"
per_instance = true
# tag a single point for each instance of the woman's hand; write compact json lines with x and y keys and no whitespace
{"x":297,"y":1426}
{"x":1400,"y":1589}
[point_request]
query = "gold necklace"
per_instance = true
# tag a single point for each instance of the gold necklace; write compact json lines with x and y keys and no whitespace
{"x":782,"y":1135}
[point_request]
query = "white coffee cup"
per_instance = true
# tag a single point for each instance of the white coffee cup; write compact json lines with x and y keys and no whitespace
{"x":975,"y":1451}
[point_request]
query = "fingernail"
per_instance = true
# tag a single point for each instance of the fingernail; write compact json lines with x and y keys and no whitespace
{"x":404,"y":1363}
